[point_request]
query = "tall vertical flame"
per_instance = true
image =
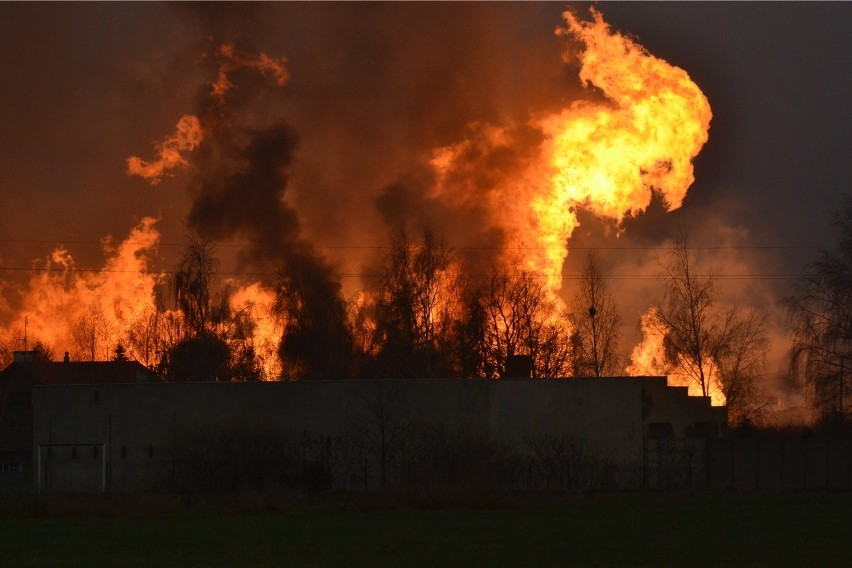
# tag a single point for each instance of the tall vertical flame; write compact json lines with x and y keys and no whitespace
{"x":606,"y":157}
{"x":266,"y":331}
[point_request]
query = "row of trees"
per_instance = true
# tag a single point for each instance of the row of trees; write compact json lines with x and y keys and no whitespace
{"x":731,"y":343}
{"x":423,"y":318}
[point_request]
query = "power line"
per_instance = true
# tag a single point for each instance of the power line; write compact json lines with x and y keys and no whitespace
{"x":658,"y":276}
{"x":388,"y":247}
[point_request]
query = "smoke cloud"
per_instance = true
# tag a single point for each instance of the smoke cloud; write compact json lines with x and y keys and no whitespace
{"x":316,"y":128}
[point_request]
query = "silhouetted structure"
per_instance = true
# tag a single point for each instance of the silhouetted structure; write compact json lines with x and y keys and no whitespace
{"x":371,"y":433}
{"x":16,"y":411}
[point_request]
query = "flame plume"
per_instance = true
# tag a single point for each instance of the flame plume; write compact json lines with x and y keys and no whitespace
{"x":607,"y":157}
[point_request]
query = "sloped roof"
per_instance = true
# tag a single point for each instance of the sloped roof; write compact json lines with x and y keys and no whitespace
{"x":76,"y":372}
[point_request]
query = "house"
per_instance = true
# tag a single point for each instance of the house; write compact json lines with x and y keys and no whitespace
{"x":16,"y":384}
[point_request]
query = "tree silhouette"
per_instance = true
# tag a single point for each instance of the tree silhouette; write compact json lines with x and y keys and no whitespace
{"x":208,"y":342}
{"x":316,"y":343}
{"x":596,"y":322}
{"x":715,"y":346}
{"x":415,"y":309}
{"x":520,"y":318}
{"x":820,"y":311}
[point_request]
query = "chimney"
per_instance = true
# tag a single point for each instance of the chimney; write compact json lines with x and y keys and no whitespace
{"x":67,"y":359}
{"x":518,"y":367}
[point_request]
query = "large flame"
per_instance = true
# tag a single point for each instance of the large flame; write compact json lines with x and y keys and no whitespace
{"x":67,"y":308}
{"x":89,"y":313}
{"x":607,"y":157}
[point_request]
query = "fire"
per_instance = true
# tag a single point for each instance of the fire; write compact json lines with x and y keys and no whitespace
{"x":607,"y":157}
{"x":257,"y":302}
{"x":89,"y":313}
{"x":649,"y":359}
{"x":632,"y":137}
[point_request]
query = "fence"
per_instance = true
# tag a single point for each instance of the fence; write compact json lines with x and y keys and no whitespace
{"x":750,"y":463}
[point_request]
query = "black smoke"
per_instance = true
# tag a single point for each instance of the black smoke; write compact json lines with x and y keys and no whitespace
{"x":242,"y":179}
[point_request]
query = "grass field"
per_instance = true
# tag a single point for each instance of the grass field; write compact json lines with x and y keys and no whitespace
{"x":620,"y":530}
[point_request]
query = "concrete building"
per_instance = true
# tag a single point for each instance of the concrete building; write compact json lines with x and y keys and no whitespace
{"x":123,"y":437}
{"x":16,"y":416}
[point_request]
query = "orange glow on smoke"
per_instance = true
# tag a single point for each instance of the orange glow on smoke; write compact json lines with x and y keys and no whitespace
{"x":192,"y":130}
{"x":649,"y":359}
{"x":186,"y":138}
{"x":231,"y":59}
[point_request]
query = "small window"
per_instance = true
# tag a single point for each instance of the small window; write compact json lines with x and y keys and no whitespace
{"x":11,"y":467}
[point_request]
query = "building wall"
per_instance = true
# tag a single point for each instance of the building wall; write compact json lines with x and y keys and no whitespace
{"x":139,"y":424}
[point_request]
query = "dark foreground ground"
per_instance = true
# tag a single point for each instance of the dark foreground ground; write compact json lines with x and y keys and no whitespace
{"x":614,"y":530}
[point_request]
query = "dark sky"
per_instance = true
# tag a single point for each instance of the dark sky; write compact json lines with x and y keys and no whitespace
{"x":374,"y":86}
{"x":776,"y":75}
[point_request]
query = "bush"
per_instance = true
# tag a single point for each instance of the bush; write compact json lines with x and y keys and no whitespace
{"x":237,"y":456}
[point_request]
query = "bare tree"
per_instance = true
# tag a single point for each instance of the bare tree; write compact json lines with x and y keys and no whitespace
{"x":244,"y":362}
{"x":714,"y":346}
{"x":594,"y":316}
{"x":820,"y":310}
{"x":740,"y":368}
{"x":415,"y":308}
{"x":208,"y":341}
{"x":145,"y":339}
{"x":91,"y":336}
{"x":520,"y":318}
{"x":194,"y":286}
{"x":473,"y":358}
{"x":696,"y":331}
